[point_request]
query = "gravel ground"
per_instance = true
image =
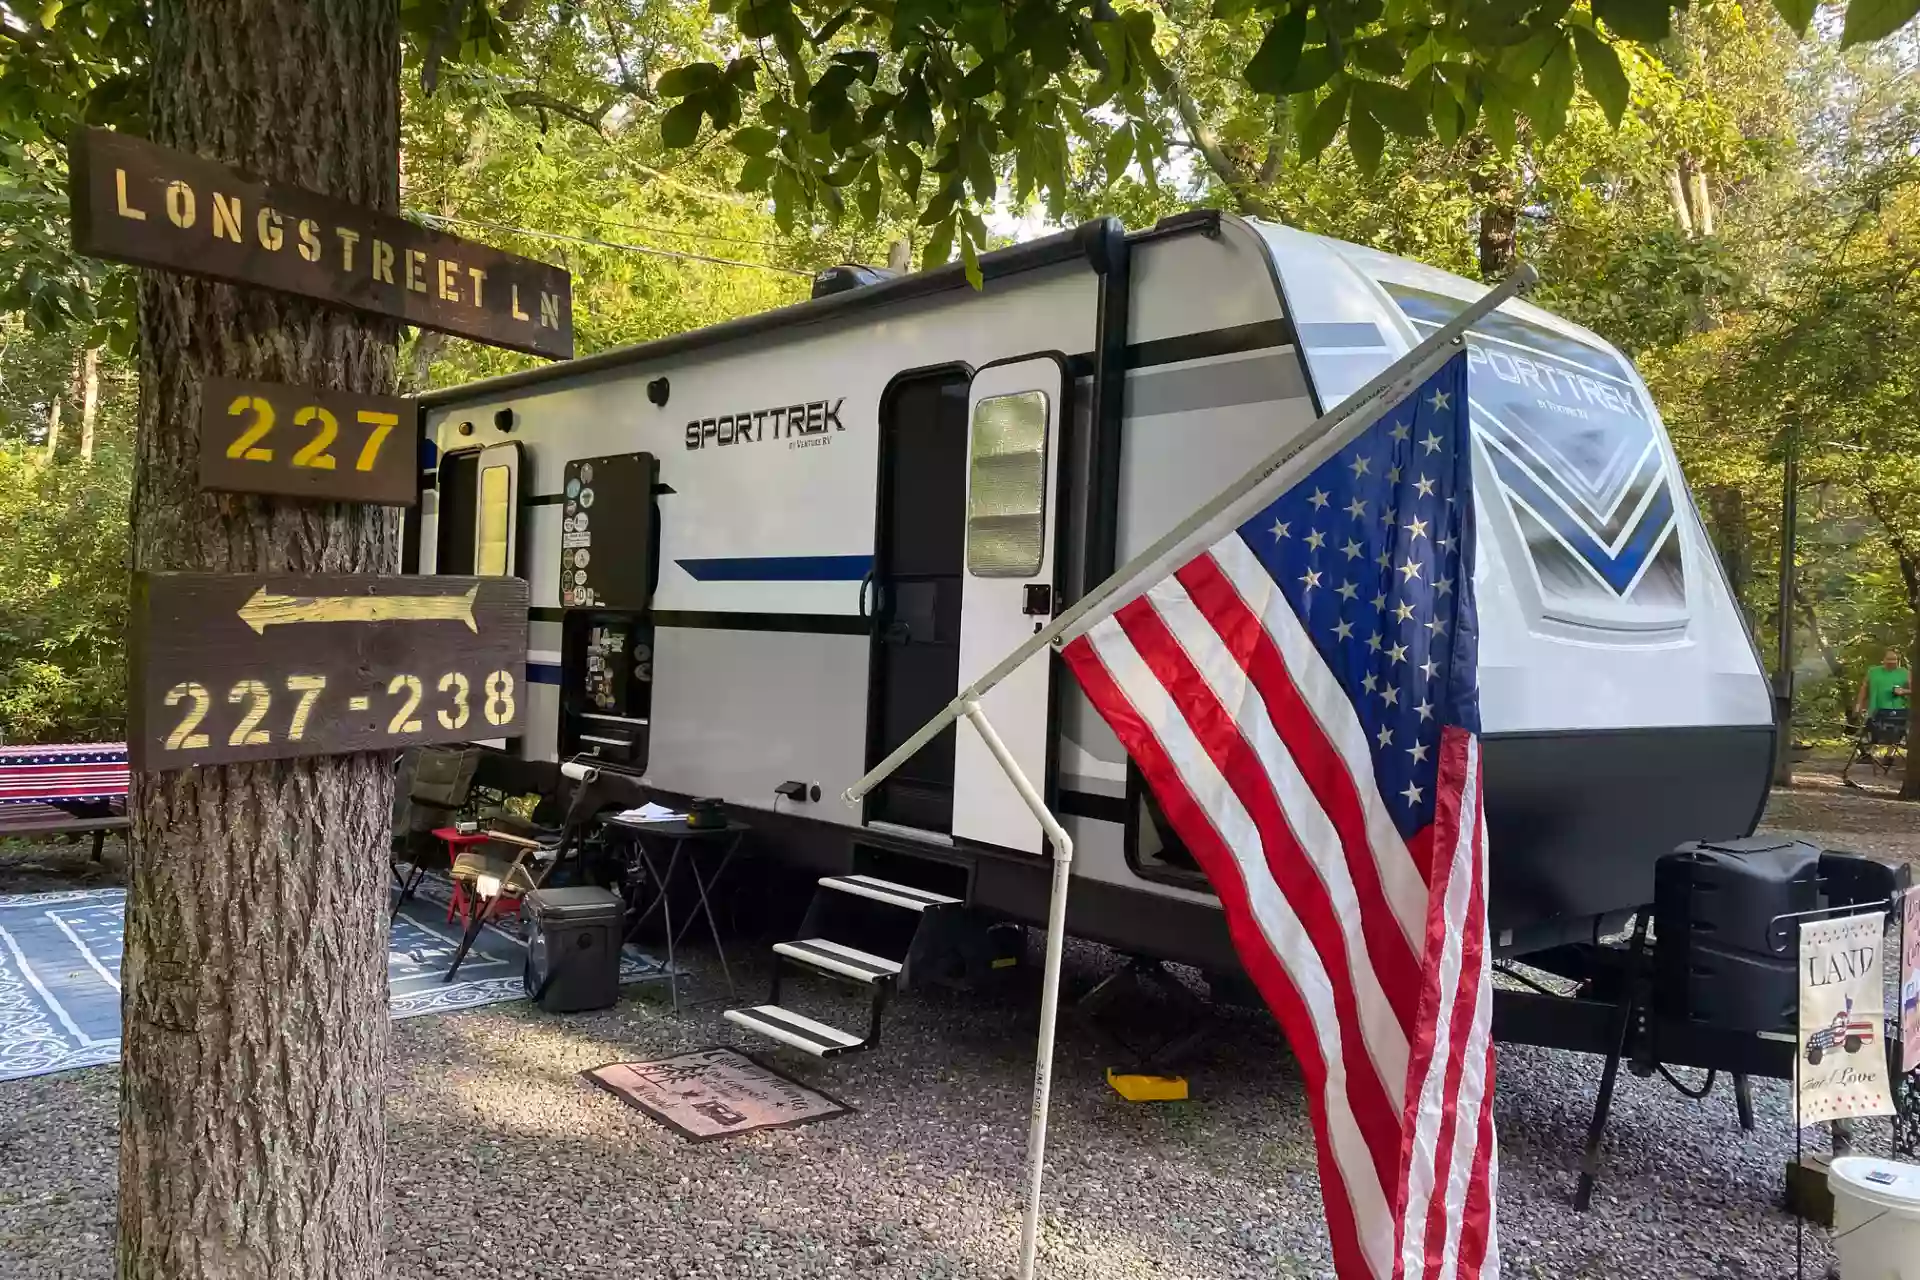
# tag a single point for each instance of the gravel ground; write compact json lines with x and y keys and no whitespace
{"x":505,"y":1163}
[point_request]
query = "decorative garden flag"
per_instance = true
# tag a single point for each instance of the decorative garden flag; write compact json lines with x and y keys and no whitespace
{"x":1843,"y":1014}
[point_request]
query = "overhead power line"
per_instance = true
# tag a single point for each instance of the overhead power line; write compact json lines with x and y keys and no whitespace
{"x":646,"y":249}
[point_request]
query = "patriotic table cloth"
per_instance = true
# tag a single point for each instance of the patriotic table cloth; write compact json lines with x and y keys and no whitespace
{"x":55,"y":772}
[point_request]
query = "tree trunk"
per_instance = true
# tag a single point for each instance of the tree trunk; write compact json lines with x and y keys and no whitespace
{"x":89,"y":400}
{"x":1727,"y":512}
{"x":1492,"y":182}
{"x":1910,"y":780}
{"x":255,"y":1007}
{"x":426,"y":349}
{"x":53,"y":428}
{"x":1677,"y":194}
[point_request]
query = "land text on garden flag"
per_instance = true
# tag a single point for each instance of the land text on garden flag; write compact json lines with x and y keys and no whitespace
{"x":1301,"y":698}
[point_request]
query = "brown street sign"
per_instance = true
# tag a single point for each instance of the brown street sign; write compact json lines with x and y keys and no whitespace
{"x":231,"y":667}
{"x":265,"y":437}
{"x":152,"y":206}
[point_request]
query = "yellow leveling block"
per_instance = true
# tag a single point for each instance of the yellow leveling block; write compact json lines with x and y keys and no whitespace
{"x":1136,"y":1088}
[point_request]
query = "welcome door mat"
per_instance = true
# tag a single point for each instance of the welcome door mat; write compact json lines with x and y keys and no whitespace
{"x":715,"y":1093}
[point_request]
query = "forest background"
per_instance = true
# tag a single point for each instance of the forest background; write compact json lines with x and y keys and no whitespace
{"x":1749,"y":232}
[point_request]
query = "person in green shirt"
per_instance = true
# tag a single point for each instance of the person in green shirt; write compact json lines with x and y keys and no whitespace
{"x":1885,"y":688}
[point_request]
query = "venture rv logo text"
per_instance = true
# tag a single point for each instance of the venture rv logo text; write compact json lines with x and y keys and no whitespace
{"x":801,"y":425}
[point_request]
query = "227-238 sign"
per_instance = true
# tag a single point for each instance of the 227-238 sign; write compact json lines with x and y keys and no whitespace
{"x":231,"y":667}
{"x":265,"y":437}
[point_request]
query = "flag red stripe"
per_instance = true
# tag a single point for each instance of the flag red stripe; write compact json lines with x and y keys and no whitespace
{"x":1320,"y":763}
{"x":1373,"y":1106}
{"x":1460,"y":1027}
{"x":1262,"y":966}
{"x":1476,"y":1228}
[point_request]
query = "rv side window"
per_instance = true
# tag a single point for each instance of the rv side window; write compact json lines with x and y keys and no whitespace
{"x":1007,"y":486}
{"x":494,"y":521}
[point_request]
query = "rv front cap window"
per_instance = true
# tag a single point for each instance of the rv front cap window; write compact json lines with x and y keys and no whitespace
{"x":496,"y":493}
{"x":1007,"y":486}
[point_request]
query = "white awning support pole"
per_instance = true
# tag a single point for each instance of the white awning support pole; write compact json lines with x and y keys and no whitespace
{"x":1368,"y":404}
{"x":1049,"y":982}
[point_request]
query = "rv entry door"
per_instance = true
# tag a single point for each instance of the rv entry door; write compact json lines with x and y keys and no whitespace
{"x":1014,"y":412}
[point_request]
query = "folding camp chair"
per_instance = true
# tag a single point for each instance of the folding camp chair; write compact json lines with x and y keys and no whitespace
{"x":1882,"y":742}
{"x":429,"y":786}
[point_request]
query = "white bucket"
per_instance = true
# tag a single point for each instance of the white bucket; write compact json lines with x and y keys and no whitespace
{"x":1876,"y":1218}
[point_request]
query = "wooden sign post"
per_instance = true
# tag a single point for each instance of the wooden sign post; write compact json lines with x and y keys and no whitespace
{"x":153,"y":206}
{"x":263,"y":437}
{"x":230,"y":667}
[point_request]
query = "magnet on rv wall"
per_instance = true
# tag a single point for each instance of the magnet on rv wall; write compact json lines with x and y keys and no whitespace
{"x":504,"y":419}
{"x":658,"y":390}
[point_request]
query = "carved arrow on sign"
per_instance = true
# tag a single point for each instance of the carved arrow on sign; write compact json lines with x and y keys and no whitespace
{"x":264,"y":609}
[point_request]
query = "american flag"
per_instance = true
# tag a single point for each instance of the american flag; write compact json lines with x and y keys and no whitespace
{"x":1301,"y":698}
{"x":63,"y":771}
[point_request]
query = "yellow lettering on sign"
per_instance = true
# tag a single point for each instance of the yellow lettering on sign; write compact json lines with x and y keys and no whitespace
{"x":309,"y":239}
{"x":348,"y":239}
{"x":120,"y":189}
{"x":383,"y":261}
{"x":180,"y":206}
{"x":308,"y":687}
{"x":381,"y":423}
{"x":226,"y":217}
{"x":549,"y":310}
{"x":266,"y":225}
{"x":416,"y":265}
{"x":518,"y":314}
{"x":479,"y":278}
{"x":449,"y":273}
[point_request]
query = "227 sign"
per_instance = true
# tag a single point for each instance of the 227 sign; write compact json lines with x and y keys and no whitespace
{"x":339,"y":446}
{"x":231,"y":667}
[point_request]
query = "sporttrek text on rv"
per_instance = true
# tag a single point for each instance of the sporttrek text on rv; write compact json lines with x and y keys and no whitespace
{"x":814,"y":418}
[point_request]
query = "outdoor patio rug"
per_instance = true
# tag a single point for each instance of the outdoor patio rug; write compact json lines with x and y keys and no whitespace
{"x":60,"y":973}
{"x":714,"y":1093}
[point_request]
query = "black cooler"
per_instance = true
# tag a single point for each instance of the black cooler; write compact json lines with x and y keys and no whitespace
{"x":573,"y":949}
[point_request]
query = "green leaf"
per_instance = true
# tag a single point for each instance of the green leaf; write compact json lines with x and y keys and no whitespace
{"x":1119,"y":152}
{"x":970,"y":256}
{"x":1600,"y":68}
{"x":1449,"y":121}
{"x":1498,"y":115}
{"x":755,"y":173}
{"x":681,"y":125}
{"x":1396,"y":108}
{"x":865,"y":63}
{"x":939,"y":244}
{"x":1315,"y":68}
{"x":1379,"y":55}
{"x":1273,"y":64}
{"x":754,"y":140}
{"x":1548,"y":111}
{"x":1365,"y":139}
{"x":692,"y":78}
{"x":1796,"y":13}
{"x":1318,"y":129}
{"x":1874,"y":19}
{"x":868,"y":196}
{"x":1647,"y":21}
{"x":50,"y":12}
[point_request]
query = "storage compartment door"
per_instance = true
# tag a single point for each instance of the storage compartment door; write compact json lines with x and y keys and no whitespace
{"x":1014,"y":412}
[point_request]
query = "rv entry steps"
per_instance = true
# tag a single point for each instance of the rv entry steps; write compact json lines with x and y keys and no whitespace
{"x":854,"y":927}
{"x":833,"y":957}
{"x":797,"y":1030}
{"x":895,"y":895}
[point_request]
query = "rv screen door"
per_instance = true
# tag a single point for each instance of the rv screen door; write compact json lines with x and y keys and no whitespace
{"x":1013,"y":460}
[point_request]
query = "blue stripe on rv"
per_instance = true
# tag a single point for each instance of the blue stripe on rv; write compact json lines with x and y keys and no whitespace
{"x":779,"y":568}
{"x":543,"y":673}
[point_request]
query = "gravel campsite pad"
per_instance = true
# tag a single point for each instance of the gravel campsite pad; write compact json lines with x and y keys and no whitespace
{"x":504,"y":1162}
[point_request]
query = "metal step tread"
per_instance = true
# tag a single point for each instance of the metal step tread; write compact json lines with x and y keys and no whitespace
{"x":797,"y":1030}
{"x":835,"y":957}
{"x":898,"y":895}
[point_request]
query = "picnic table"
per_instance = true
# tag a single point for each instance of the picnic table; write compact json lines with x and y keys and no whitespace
{"x":70,"y":788}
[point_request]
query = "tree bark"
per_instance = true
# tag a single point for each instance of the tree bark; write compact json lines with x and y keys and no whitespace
{"x":255,"y":1005}
{"x":1727,"y":512}
{"x":1677,"y":194}
{"x":53,"y":428}
{"x":1492,"y":182}
{"x":1910,"y":779}
{"x":89,"y":400}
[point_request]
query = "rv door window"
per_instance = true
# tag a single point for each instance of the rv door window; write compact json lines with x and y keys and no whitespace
{"x":1007,"y":486}
{"x":495,"y":520}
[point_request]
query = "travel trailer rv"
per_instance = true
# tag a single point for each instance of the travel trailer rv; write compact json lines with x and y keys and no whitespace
{"x":756,"y":567}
